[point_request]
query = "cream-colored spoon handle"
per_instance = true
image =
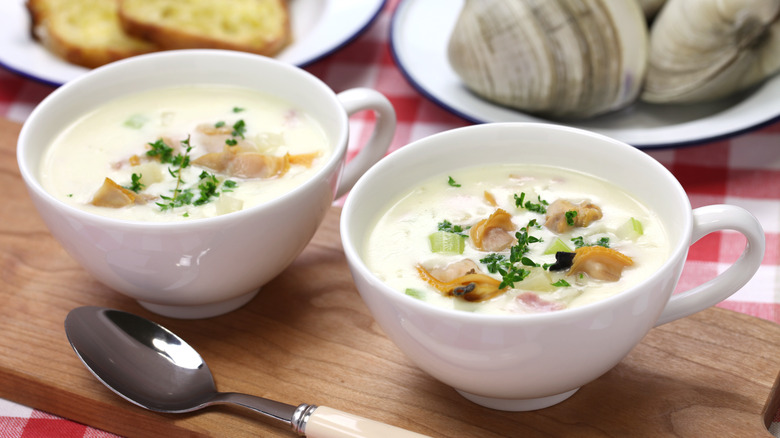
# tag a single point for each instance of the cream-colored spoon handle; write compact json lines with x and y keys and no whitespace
{"x":327,"y":422}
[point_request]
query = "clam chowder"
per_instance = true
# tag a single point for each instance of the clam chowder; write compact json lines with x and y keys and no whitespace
{"x":183,"y":152}
{"x":515,"y":239}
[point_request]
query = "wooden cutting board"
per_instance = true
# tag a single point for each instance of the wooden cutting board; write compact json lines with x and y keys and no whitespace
{"x":308,"y":337}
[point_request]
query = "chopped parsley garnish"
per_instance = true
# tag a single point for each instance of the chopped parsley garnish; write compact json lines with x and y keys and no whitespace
{"x":229,"y":185}
{"x":205,"y":190}
{"x":231,"y":141}
{"x":207,"y":185}
{"x":219,"y":124}
{"x":579,"y":242}
{"x":237,"y":109}
{"x":510,"y":268}
{"x":239,"y":129}
{"x":528,"y":262}
{"x":539,"y":207}
{"x":451,"y":181}
{"x":208,"y":190}
{"x":160,"y":150}
{"x":570,"y":215}
{"x":180,"y":197}
{"x":447,"y":226}
{"x":561,"y":283}
{"x":135,"y":183}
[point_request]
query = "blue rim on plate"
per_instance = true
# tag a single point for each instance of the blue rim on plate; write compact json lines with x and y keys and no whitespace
{"x":420,"y":31}
{"x":321,"y":27}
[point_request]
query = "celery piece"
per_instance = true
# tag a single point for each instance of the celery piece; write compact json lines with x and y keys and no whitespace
{"x":415,"y":293}
{"x":632,"y":229}
{"x":136,"y":121}
{"x":448,"y":243}
{"x":557,"y":246}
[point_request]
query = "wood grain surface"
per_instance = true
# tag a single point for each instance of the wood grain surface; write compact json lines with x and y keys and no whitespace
{"x":308,"y":337}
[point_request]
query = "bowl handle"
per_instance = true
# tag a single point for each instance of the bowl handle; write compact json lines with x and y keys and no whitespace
{"x":707,"y":220}
{"x":359,"y":99}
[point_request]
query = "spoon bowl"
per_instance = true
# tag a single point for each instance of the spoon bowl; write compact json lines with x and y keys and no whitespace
{"x":145,"y":365}
{"x":151,"y":367}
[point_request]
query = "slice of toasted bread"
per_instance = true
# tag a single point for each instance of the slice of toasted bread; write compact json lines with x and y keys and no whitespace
{"x":258,"y":26}
{"x":83,"y":32}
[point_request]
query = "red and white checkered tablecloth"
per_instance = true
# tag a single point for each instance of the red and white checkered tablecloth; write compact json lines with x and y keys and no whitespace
{"x":743,"y":170}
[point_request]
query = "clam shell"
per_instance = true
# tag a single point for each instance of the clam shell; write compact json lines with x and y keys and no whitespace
{"x":557,"y":58}
{"x":704,"y":50}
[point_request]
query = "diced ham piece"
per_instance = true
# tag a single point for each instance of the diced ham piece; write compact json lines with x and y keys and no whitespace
{"x":531,"y":302}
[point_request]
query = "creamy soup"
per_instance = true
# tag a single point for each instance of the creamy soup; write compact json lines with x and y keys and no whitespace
{"x":183,"y":152}
{"x":515,"y":239}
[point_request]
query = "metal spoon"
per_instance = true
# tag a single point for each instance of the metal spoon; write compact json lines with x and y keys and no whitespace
{"x":151,"y":367}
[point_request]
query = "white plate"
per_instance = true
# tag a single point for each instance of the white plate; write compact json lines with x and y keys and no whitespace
{"x":419,"y":34}
{"x":319,"y":28}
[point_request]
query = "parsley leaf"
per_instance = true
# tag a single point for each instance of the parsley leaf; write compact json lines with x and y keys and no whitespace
{"x":208,"y":188}
{"x":570,"y":215}
{"x":451,"y":181}
{"x":579,"y":242}
{"x":239,"y":129}
{"x":160,"y":150}
{"x":180,"y":197}
{"x":520,"y":202}
{"x":511,"y":268}
{"x":135,"y":183}
{"x":447,"y":226}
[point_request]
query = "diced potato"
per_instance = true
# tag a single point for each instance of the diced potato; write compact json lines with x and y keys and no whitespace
{"x":228,"y":204}
{"x":538,"y":280}
{"x":269,"y":141}
{"x":150,"y":172}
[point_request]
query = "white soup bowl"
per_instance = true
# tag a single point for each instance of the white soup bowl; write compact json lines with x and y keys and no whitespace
{"x":202,"y":267}
{"x":531,"y":361}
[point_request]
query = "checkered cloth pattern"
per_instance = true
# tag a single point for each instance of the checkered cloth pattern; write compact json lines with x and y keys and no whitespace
{"x":743,"y":170}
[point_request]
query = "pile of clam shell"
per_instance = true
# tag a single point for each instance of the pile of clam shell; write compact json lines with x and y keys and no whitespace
{"x":575,"y":59}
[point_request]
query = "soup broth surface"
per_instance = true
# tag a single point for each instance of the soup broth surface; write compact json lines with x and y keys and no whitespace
{"x":245,"y":148}
{"x":410,"y":246}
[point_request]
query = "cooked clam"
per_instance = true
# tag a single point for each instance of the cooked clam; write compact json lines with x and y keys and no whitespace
{"x":470,"y":286}
{"x":599,"y":262}
{"x":703,"y":50}
{"x":494,"y":233}
{"x":557,"y":58}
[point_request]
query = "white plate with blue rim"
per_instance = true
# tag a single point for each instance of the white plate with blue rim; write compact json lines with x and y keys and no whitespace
{"x":319,"y":27}
{"x":420,"y":32}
